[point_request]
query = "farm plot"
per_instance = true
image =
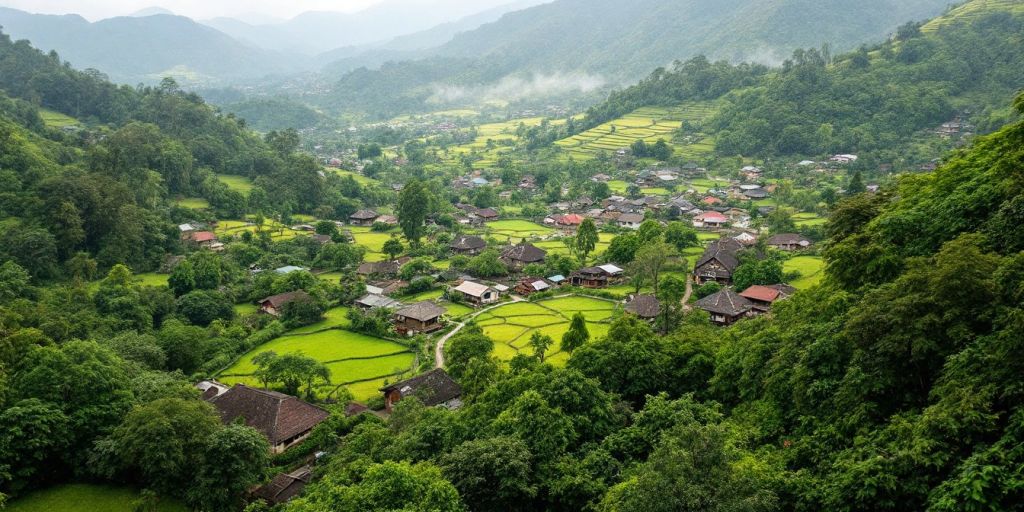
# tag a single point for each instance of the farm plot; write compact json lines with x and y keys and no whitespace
{"x":648,"y":124}
{"x":808,"y":219}
{"x":54,"y":119}
{"x":512,"y":325}
{"x":811,"y":269}
{"x":239,"y":184}
{"x":351,"y":357}
{"x":514,"y":231}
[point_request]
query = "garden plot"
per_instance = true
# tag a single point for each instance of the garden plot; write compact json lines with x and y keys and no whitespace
{"x":512,"y":325}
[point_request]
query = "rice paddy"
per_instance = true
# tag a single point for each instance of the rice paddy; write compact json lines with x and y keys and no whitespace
{"x":195,"y":203}
{"x":512,"y":325}
{"x":240,"y":184}
{"x":648,"y":124}
{"x":811,"y":269}
{"x":54,"y":119}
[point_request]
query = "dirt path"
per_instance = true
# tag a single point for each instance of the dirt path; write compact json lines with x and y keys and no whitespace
{"x":439,"y":347}
{"x":689,"y":292}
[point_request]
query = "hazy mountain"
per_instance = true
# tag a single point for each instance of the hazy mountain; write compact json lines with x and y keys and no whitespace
{"x":151,"y":11}
{"x":317,"y":32}
{"x":144,"y":49}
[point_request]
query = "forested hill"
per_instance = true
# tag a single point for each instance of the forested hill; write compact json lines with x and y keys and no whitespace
{"x":572,"y":45}
{"x":145,"y":49}
{"x":874,"y":99}
{"x":102,"y":192}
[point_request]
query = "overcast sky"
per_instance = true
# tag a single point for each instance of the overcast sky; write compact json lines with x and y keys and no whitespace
{"x":198,"y":9}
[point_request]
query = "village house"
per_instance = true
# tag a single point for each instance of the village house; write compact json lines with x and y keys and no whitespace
{"x":630,"y":220}
{"x":468,"y":245}
{"x":763,"y":298}
{"x":273,"y":305}
{"x":283,"y":419}
{"x":203,"y":239}
{"x":485,"y":214}
{"x":726,"y":307}
{"x":718,"y":262}
{"x":746,"y":238}
{"x":434,"y":388}
{"x":755,"y":193}
{"x":789,"y":242}
{"x":568,"y":221}
{"x":476,"y":293}
{"x":379,"y":268}
{"x":532,"y":285}
{"x":423,"y":317}
{"x":363,"y":218}
{"x":284,"y":486}
{"x":596,"y":277}
{"x":372,"y":301}
{"x":519,"y":256}
{"x":646,"y":307}
{"x":710,"y":220}
{"x":389,"y":220}
{"x":387,"y":287}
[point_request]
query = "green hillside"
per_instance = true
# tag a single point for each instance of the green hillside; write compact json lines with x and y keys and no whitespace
{"x":649,"y":124}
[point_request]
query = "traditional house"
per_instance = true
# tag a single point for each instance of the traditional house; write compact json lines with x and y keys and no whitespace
{"x":200,"y":238}
{"x":468,"y":245}
{"x":283,"y":419}
{"x":725,"y":307}
{"x":379,"y":268}
{"x":532,"y":285}
{"x":363,"y":218}
{"x":630,"y":220}
{"x":763,"y":297}
{"x":434,"y":388}
{"x":476,"y":293}
{"x":718,"y":262}
{"x":389,"y":220}
{"x":375,"y":301}
{"x":589,"y":277}
{"x":209,"y":389}
{"x":568,"y":221}
{"x":423,"y":317}
{"x":746,"y":238}
{"x":613,"y":272}
{"x":386,"y":287}
{"x":789,"y":242}
{"x":710,"y":220}
{"x":518,"y":256}
{"x":284,"y":486}
{"x":646,"y":307}
{"x":273,"y":305}
{"x":756,"y":193}
{"x":485,"y":214}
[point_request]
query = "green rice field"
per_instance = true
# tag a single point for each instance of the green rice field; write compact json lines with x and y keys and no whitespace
{"x":54,"y":119}
{"x":811,"y":269}
{"x":195,"y":203}
{"x":648,"y":124}
{"x":240,"y":184}
{"x":85,"y":498}
{"x":514,"y":231}
{"x":512,"y":325}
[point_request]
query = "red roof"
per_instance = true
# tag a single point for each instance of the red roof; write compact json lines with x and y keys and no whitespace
{"x":712,"y":217}
{"x":570,"y":220}
{"x":203,"y":236}
{"x":761,"y":293}
{"x":712,"y":200}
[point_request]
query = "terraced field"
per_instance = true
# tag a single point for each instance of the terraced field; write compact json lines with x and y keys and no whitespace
{"x":648,"y":124}
{"x":492,"y":141}
{"x":514,"y":231}
{"x":808,"y":219}
{"x":512,"y":325}
{"x":362,"y":363}
{"x":971,"y":11}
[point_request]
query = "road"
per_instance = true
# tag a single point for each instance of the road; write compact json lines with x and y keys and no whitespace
{"x":439,"y":348}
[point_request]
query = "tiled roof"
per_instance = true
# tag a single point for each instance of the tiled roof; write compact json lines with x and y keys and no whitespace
{"x":422,"y":311}
{"x":276,"y":301}
{"x":644,"y":306}
{"x":433,"y":388}
{"x":468,"y":242}
{"x":278,"y":416}
{"x":725,"y":302}
{"x":526,"y":253}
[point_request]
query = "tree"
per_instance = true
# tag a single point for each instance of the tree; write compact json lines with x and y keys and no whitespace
{"x":650,"y":260}
{"x":201,"y":307}
{"x":33,"y":433}
{"x":540,"y":343}
{"x":467,"y":345}
{"x":763,"y":272}
{"x":577,"y":335}
{"x":856,"y":185}
{"x":326,"y":227}
{"x":292,"y":371}
{"x":649,"y":231}
{"x":385,"y":487}
{"x":14,"y":281}
{"x":546,"y":430}
{"x":622,"y":249}
{"x":301,"y":312}
{"x":487,"y":264}
{"x":393,"y":247}
{"x":672,"y":291}
{"x":492,"y":474}
{"x":235,"y":459}
{"x":413,"y":206}
{"x":184,"y":345}
{"x":182,"y":279}
{"x":681,"y":236}
{"x":586,"y":239}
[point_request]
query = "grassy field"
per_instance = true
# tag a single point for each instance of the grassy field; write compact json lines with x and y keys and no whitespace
{"x":648,"y":124}
{"x":195,"y":203}
{"x":514,"y":231}
{"x":85,"y":498}
{"x":811,"y":269}
{"x":360,"y":179}
{"x":808,"y":219}
{"x":277,"y":230}
{"x":493,"y":140}
{"x":54,"y":119}
{"x":237,"y":183}
{"x":512,"y":325}
{"x":353,"y":358}
{"x":152,"y":279}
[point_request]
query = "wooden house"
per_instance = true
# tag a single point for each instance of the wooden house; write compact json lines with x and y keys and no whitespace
{"x":283,"y":419}
{"x":468,"y":245}
{"x":519,"y":256}
{"x":434,"y":388}
{"x":424,"y":317}
{"x":363,"y":218}
{"x":718,"y":262}
{"x":789,"y":242}
{"x":647,"y":307}
{"x":726,"y":307}
{"x":589,"y":277}
{"x":274,"y":304}
{"x":532,"y":285}
{"x":630,"y":220}
{"x":476,"y":293}
{"x":763,"y":298}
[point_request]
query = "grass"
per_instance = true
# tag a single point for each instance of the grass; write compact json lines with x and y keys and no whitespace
{"x":512,"y":325}
{"x":811,"y":269}
{"x":360,"y":179}
{"x":245,"y":309}
{"x":54,"y":119}
{"x":152,"y":279}
{"x":195,"y":203}
{"x":240,"y":184}
{"x":85,"y":498}
{"x":337,"y":317}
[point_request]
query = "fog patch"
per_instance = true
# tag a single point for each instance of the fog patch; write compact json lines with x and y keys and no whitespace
{"x":513,"y":88}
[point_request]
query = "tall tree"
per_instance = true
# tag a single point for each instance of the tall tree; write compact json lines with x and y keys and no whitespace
{"x":577,"y":335}
{"x":586,"y":239}
{"x":413,"y":206}
{"x":650,"y":260}
{"x":393,"y":247}
{"x":235,"y":458}
{"x":540,"y":343}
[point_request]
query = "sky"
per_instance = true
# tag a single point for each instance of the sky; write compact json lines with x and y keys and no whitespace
{"x":196,"y":9}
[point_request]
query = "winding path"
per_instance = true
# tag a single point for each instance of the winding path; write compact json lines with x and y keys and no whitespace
{"x":439,"y":347}
{"x":689,"y":292}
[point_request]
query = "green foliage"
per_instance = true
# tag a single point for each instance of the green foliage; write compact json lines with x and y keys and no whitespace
{"x":291,"y":371}
{"x":413,"y":207}
{"x":381,"y":488}
{"x":577,"y":335}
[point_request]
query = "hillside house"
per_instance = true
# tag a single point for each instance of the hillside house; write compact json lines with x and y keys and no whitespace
{"x":710,"y":220}
{"x":204,"y":239}
{"x":789,"y":242}
{"x":373,"y":301}
{"x":273,"y":305}
{"x":485,"y":214}
{"x":726,"y":307}
{"x":379,"y":268}
{"x":468,"y":245}
{"x":519,"y":256}
{"x":283,"y":419}
{"x":646,"y":307}
{"x":764,"y":297}
{"x":363,"y":218}
{"x":434,"y":388}
{"x":718,"y":262}
{"x":476,"y":293}
{"x":424,"y":317}
{"x":589,"y":277}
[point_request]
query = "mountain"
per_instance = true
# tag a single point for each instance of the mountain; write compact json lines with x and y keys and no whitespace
{"x":151,"y":11}
{"x":318,"y":32}
{"x":571,"y":45}
{"x":145,"y":49}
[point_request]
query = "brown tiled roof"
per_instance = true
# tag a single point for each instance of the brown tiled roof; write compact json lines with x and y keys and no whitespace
{"x":379,"y":267}
{"x":278,"y":416}
{"x":468,"y":243}
{"x":422,"y":311}
{"x":276,"y":301}
{"x":526,"y":253}
{"x":364,"y":215}
{"x":786,"y":239}
{"x":354,"y":408}
{"x":724,"y":250}
{"x":487,"y":213}
{"x":433,"y":388}
{"x":631,"y":217}
{"x":644,"y":306}
{"x":285,"y":486}
{"x":725,"y":302}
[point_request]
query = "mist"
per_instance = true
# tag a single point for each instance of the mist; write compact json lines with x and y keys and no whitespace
{"x":515,"y":88}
